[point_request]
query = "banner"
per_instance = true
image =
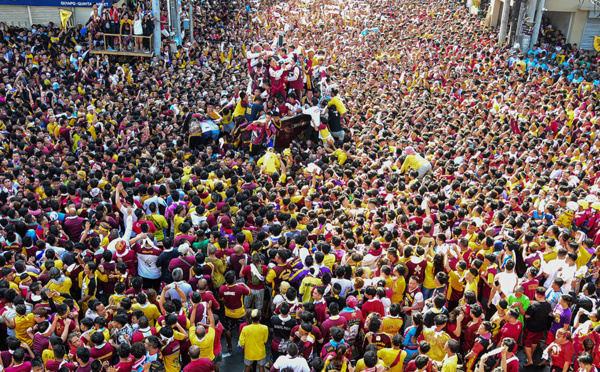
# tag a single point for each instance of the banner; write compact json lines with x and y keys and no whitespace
{"x":64,"y":17}
{"x":597,"y":43}
{"x":57,"y":3}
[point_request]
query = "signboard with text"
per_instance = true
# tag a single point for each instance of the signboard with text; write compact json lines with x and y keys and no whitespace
{"x":56,"y":3}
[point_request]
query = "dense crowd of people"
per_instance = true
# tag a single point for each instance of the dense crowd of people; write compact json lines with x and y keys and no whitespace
{"x":440,"y":212}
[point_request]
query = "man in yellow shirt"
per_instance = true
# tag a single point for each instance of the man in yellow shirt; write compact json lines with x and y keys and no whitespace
{"x":437,"y":338}
{"x":337,"y":102}
{"x":399,"y":284}
{"x":203,"y":335}
{"x":450,"y":362}
{"x":270,"y":161}
{"x":416,"y":162}
{"x":150,"y":310}
{"x":22,"y":322}
{"x":253,"y":339}
{"x":393,"y":322}
{"x":393,"y":358}
{"x":308,"y":284}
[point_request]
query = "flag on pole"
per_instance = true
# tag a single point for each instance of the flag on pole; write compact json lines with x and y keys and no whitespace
{"x":64,"y":17}
{"x":597,"y":43}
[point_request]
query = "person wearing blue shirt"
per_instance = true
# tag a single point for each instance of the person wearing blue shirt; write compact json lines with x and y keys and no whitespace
{"x":254,"y":109}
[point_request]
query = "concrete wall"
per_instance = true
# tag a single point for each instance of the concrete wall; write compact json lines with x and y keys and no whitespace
{"x":577,"y":26}
{"x":494,"y":13}
{"x":25,"y":16}
{"x":562,"y":5}
{"x":561,"y":21}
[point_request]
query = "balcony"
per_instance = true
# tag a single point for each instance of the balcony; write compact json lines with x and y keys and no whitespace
{"x":124,"y":45}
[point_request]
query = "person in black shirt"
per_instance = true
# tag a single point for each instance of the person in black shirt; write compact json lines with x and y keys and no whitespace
{"x":282,"y":328}
{"x":587,"y":300}
{"x":334,"y":296}
{"x":537,"y":323}
{"x":439,"y":301}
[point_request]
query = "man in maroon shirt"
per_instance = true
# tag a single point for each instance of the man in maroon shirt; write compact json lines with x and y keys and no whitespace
{"x":471,"y":332}
{"x":184,"y":262}
{"x":207,"y":295}
{"x":59,"y":355}
{"x":144,"y":330}
{"x":373,"y":304}
{"x":73,"y":224}
{"x":255,"y":273}
{"x":125,"y":362}
{"x":102,"y":350}
{"x":232,"y":295}
{"x":303,"y":337}
{"x":19,"y":364}
{"x":198,"y":364}
{"x":334,"y":320}
{"x":320,"y":304}
{"x":83,"y":359}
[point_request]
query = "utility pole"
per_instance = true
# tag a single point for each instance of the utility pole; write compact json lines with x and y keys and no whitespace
{"x":538,"y":23}
{"x":191,"y":21}
{"x":518,"y":9}
{"x":504,"y":21}
{"x":157,"y":33}
{"x":531,"y":6}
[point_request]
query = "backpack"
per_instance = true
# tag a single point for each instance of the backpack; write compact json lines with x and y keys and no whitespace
{"x":255,"y":280}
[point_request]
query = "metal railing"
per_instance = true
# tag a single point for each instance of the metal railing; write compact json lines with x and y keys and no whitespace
{"x":120,"y":44}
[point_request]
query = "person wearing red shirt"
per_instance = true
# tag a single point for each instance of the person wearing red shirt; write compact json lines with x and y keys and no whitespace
{"x":207,"y":295}
{"x":59,"y":354}
{"x":487,"y":277}
{"x":509,"y":361}
{"x":354,"y":319}
{"x":255,"y":273}
{"x":373,"y":304}
{"x":561,"y":351}
{"x":144,"y":330}
{"x":481,"y":344}
{"x":513,"y":326}
{"x":303,"y":337}
{"x":232,"y":295}
{"x":320,"y":304}
{"x":19,"y":364}
{"x":471,"y":332}
{"x":334,"y":320}
{"x":375,"y":336}
{"x":198,"y":364}
{"x":125,"y":363}
{"x":101,"y":349}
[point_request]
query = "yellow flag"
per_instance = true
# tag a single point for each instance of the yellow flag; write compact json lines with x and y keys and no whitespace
{"x":597,"y":43}
{"x":64,"y":17}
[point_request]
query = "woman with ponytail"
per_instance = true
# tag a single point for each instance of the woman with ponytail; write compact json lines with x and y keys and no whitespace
{"x":411,"y":336}
{"x":338,"y":361}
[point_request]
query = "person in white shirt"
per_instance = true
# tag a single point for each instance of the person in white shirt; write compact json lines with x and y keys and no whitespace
{"x":570,"y":273}
{"x":504,"y":282}
{"x":96,"y":6}
{"x":550,"y":269}
{"x":153,"y":198}
{"x":292,"y":360}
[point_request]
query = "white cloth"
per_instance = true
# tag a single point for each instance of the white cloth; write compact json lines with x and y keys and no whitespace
{"x":551,"y":268}
{"x":508,"y":281}
{"x":297,"y":364}
{"x":256,"y":273}
{"x":137,"y":27}
{"x":128,"y":229}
